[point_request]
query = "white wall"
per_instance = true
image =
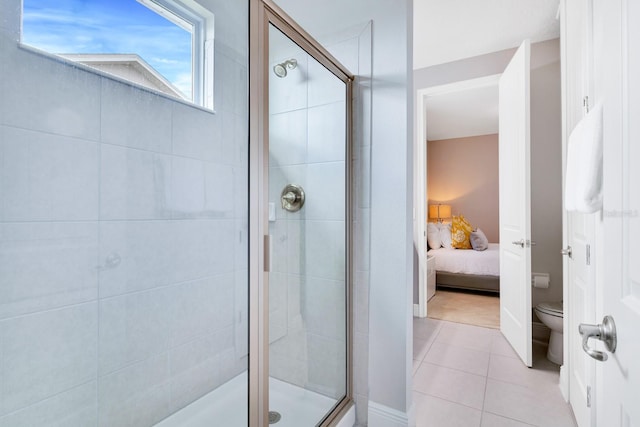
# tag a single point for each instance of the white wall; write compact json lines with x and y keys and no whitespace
{"x":123,"y":230}
{"x":546,"y":147}
{"x":383,"y":243}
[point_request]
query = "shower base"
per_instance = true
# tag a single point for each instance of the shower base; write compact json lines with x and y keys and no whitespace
{"x":227,"y":405}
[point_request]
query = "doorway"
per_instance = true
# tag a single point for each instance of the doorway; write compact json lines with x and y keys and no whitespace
{"x":460,"y":124}
{"x":546,"y":197}
{"x":462,"y":179}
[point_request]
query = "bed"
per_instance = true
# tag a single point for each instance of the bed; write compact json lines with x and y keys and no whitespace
{"x":468,"y":269}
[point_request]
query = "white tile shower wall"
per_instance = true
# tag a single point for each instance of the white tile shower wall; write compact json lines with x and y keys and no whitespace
{"x":326,"y":132}
{"x":68,"y":107}
{"x":74,"y":407}
{"x":288,"y":146}
{"x":290,"y":93}
{"x":47,"y":177}
{"x":135,"y":119}
{"x":278,"y":306}
{"x":56,"y":260}
{"x":47,"y":353}
{"x":152,"y":254}
{"x":123,"y":238}
{"x":134,"y":184}
{"x":325,"y":181}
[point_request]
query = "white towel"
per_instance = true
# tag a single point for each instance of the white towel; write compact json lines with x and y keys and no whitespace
{"x":583,"y":180}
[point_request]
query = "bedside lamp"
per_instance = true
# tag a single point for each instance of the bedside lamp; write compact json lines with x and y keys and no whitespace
{"x":439,"y":212}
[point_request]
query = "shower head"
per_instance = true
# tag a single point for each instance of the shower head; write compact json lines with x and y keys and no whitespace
{"x":280,"y":70}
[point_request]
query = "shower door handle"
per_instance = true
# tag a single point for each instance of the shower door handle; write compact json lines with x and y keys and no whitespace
{"x":267,"y":253}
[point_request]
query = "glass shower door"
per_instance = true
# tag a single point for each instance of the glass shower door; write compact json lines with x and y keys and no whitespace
{"x":308,"y":223}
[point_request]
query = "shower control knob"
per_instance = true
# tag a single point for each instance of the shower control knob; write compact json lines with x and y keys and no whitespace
{"x":292,"y":198}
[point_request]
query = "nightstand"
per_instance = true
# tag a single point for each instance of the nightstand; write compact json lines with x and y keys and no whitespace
{"x":431,"y":277}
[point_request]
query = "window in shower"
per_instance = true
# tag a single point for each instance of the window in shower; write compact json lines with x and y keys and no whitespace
{"x":164,"y":45}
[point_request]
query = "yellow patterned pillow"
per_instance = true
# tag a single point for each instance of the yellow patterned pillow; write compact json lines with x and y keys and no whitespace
{"x":460,"y":232}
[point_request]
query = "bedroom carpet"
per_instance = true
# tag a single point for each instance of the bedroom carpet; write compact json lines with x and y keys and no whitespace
{"x":462,"y":307}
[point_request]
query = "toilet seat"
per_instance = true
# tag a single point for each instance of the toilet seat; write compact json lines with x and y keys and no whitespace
{"x":551,"y":308}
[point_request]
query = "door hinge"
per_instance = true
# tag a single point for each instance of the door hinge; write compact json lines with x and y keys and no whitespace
{"x":588,"y":396}
{"x":588,"y":254}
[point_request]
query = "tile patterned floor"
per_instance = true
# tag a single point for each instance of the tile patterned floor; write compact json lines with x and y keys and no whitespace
{"x":468,"y":376}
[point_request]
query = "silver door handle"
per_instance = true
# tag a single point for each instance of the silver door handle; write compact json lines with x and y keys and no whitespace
{"x":566,"y":251}
{"x":519,"y":243}
{"x":605,"y":332}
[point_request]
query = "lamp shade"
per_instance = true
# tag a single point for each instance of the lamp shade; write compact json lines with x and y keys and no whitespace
{"x":445,"y":211}
{"x":433,"y":211}
{"x":439,"y":212}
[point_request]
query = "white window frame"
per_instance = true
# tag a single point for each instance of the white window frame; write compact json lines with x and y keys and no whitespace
{"x":192,"y":17}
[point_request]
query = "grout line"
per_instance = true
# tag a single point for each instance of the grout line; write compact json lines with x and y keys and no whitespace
{"x":457,"y":370}
{"x":45,"y":399}
{"x":98,"y":298}
{"x":465,"y":347}
{"x":486,"y":385}
{"x":446,"y":400}
{"x":98,"y":256}
{"x":510,"y":418}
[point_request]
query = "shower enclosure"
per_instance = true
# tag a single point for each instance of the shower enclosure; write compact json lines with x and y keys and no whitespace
{"x":137,"y":287}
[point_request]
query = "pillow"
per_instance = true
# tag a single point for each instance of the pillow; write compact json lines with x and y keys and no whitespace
{"x":433,"y":235}
{"x":460,"y":232}
{"x":445,"y":235}
{"x":479,"y":241}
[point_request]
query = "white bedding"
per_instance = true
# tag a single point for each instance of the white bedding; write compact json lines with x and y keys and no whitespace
{"x":468,"y":261}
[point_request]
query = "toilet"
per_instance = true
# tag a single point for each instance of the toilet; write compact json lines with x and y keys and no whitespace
{"x":550,"y":313}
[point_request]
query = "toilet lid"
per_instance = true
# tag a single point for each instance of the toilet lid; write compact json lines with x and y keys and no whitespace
{"x":552,"y":308}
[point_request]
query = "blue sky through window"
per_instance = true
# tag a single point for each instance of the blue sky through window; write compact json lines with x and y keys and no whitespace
{"x":110,"y":26}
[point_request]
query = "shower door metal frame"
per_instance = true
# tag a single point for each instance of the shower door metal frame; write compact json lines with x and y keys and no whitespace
{"x":262,"y":14}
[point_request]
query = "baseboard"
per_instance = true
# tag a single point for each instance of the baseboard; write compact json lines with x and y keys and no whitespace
{"x":383,"y":416}
{"x":417,"y":312}
{"x":564,"y":383}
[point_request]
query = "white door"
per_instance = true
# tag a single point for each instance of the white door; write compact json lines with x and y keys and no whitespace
{"x":619,"y":289}
{"x":579,"y":228}
{"x":515,"y":204}
{"x":420,"y":207}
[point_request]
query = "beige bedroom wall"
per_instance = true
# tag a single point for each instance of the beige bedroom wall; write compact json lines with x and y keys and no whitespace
{"x":463,"y":172}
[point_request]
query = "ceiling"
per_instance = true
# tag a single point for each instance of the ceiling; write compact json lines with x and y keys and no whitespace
{"x":464,"y":113}
{"x":450,"y":30}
